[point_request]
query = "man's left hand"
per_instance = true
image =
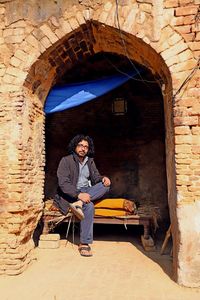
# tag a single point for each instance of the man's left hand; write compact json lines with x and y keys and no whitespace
{"x":106,"y":181}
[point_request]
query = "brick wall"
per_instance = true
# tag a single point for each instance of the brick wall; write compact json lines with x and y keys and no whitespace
{"x":37,"y":46}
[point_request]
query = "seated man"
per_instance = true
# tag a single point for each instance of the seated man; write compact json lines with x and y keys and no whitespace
{"x":79,"y":183}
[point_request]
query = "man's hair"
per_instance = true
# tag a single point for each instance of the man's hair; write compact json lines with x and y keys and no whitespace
{"x":77,"y":139}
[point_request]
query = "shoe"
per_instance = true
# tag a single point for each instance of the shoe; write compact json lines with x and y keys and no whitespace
{"x":85,"y":250}
{"x":77,"y":211}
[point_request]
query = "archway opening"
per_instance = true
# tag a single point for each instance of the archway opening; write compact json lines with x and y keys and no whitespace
{"x":130,"y":147}
{"x":70,"y":57}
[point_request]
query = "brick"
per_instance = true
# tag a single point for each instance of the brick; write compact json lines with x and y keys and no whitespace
{"x":54,"y":21}
{"x":186,"y":65}
{"x":194,"y":92}
{"x":182,"y":130}
{"x":49,"y":244}
{"x":195,"y":110}
{"x":197,"y":36}
{"x":73,"y":23}
{"x":183,"y":139}
{"x":185,"y":11}
{"x":60,"y":34}
{"x":194,"y":178}
{"x":171,"y":3}
{"x":179,"y":21}
{"x":194,"y":45}
{"x":175,"y":38}
{"x":185,"y":55}
{"x":178,"y":121}
{"x":45,"y":42}
{"x":9,"y":88}
{"x":16,"y":72}
{"x":20,"y":54}
{"x":183,"y":177}
{"x":14,"y":39}
{"x":188,"y":20}
{"x":184,"y":172}
{"x":193,"y":189}
{"x":18,"y":31}
{"x":196,"y":130}
{"x":2,"y":71}
{"x":8,"y":78}
{"x":7,"y":32}
{"x":172,"y":60}
{"x":50,"y":237}
{"x":103,"y":16}
{"x":65,"y":26}
{"x":174,"y":50}
{"x":183,"y":161}
{"x":15,"y":62}
{"x":79,"y":17}
{"x":49,"y":33}
{"x":183,"y":149}
{"x":196,"y":149}
{"x":184,"y":29}
{"x":188,"y":37}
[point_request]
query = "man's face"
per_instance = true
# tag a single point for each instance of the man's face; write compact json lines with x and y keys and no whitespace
{"x":82,"y":148}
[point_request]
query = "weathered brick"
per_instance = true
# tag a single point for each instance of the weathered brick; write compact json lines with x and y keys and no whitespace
{"x":20,"y":54}
{"x":50,"y":237}
{"x":183,"y":139}
{"x":45,"y":42}
{"x":14,"y":39}
{"x":49,"y":244}
{"x":182,"y":130}
{"x":185,"y":55}
{"x":79,"y":17}
{"x":183,"y":149}
{"x":49,"y":33}
{"x":174,"y":50}
{"x":188,"y":37}
{"x":196,"y":149}
{"x":196,"y":130}
{"x":179,"y":121}
{"x":171,"y":3}
{"x":184,"y":11}
{"x":195,"y":45}
{"x":184,"y":29}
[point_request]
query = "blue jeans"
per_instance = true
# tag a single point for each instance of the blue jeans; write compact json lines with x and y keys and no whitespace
{"x":96,"y":192}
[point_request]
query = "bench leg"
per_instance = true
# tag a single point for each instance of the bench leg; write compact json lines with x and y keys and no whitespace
{"x":147,"y":241}
{"x":45,"y":227}
{"x":146,"y":231}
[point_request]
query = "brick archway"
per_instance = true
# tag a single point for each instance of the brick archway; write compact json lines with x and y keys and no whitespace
{"x":91,"y":38}
{"x":55,"y":48}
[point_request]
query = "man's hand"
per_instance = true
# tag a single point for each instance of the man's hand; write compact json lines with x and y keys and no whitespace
{"x":85,"y":197}
{"x":106,"y":181}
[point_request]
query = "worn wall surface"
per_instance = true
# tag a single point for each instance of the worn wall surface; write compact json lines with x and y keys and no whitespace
{"x":42,"y":40}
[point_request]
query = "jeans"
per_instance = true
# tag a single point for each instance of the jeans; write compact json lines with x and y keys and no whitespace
{"x":96,"y":192}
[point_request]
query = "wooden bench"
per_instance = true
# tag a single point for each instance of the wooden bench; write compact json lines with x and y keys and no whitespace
{"x":52,"y":219}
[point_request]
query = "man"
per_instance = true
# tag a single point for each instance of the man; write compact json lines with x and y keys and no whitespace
{"x":79,"y":184}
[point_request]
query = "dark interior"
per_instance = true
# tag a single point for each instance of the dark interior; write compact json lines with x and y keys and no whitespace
{"x":129,"y":148}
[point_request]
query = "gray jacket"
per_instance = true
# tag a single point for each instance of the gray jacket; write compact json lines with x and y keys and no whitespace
{"x":68,"y":173}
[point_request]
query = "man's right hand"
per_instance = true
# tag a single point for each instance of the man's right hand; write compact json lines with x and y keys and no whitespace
{"x":85,"y":197}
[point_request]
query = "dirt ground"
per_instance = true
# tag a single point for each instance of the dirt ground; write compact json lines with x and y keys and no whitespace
{"x":119,"y":269}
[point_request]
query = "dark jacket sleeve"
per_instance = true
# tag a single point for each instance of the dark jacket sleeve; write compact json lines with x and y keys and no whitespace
{"x":64,"y":179}
{"x":95,"y":175}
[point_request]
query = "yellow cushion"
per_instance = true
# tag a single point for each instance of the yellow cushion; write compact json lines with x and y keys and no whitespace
{"x":114,"y":203}
{"x":103,"y":212}
{"x":112,"y":207}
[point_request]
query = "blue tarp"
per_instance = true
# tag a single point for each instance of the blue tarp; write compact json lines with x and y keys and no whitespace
{"x":71,"y":95}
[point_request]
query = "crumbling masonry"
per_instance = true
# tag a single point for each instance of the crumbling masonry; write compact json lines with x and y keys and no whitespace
{"x":39,"y":41}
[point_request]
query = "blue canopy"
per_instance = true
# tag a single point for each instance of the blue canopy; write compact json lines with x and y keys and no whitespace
{"x":64,"y":97}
